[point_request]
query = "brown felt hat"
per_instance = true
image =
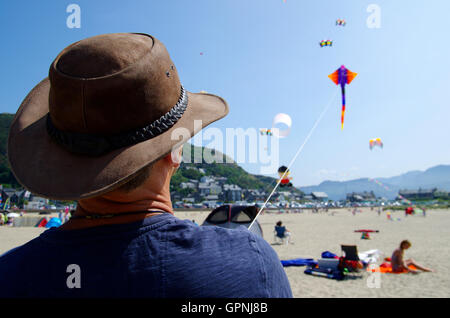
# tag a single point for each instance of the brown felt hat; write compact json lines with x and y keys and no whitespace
{"x":111,"y":105}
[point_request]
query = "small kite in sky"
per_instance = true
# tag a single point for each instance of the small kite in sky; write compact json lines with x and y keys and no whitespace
{"x":266,"y":132}
{"x":340,"y":22}
{"x":285,"y":180}
{"x":375,"y":142}
{"x":325,"y":43}
{"x":341,"y":77}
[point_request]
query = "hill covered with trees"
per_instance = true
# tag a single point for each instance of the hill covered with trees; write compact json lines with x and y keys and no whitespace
{"x":6,"y":176}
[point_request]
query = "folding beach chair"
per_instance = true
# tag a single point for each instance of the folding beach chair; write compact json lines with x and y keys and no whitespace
{"x":280,"y":234}
{"x":350,"y":260}
{"x":350,"y":252}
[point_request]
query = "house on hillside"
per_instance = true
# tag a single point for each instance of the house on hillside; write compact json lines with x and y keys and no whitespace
{"x":207,"y":179}
{"x":215,"y":189}
{"x":189,"y":185}
{"x":231,"y":193}
{"x":253,"y":195}
{"x":221,"y":180}
{"x":361,"y":196}
{"x":319,"y":196}
{"x":212,"y":198}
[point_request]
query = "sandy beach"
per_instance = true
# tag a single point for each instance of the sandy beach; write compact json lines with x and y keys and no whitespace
{"x":314,"y":233}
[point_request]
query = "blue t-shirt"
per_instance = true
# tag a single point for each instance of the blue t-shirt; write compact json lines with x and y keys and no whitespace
{"x":158,"y":257}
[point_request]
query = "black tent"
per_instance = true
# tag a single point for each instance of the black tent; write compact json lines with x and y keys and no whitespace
{"x":233,"y":216}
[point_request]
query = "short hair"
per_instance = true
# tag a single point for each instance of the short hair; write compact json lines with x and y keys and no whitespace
{"x":136,"y":181}
{"x":404,"y":242}
{"x":279,"y":223}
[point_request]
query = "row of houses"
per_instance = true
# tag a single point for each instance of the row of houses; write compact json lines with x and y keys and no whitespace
{"x":419,"y":194}
{"x":214,"y":189}
{"x":210,"y":188}
{"x":423,"y":194}
{"x":21,"y":198}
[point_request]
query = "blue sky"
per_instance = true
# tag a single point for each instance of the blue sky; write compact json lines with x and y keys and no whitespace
{"x":263,"y":57}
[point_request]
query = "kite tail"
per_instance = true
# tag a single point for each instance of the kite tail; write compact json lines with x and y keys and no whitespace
{"x":343,"y":108}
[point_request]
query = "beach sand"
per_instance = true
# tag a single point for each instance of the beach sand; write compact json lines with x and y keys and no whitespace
{"x":315,"y":233}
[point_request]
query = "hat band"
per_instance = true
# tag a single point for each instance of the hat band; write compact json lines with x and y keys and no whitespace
{"x":96,"y":145}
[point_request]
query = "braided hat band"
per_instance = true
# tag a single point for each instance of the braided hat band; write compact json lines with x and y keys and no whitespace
{"x":96,"y":145}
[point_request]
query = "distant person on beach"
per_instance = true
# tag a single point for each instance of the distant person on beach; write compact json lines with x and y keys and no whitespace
{"x":282,"y":232}
{"x":107,"y":128}
{"x":400,"y":265}
{"x":409,"y":211}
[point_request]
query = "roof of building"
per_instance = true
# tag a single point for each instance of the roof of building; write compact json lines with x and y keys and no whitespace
{"x":419,"y":191}
{"x":319,"y":194}
{"x":231,"y":187}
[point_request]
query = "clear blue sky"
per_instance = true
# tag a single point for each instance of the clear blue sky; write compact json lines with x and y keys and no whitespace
{"x":263,"y":57}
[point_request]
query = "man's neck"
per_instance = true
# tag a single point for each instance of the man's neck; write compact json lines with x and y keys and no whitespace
{"x":112,"y":207}
{"x":117,"y":208}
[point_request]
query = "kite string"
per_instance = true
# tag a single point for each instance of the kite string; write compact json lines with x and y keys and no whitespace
{"x":296,"y":155}
{"x":387,"y":188}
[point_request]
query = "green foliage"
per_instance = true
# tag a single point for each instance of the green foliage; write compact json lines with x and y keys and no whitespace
{"x":5,"y":123}
{"x":191,"y":174}
{"x":6,"y":176}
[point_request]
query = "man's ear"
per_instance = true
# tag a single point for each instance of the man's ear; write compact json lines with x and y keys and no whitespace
{"x":176,"y":156}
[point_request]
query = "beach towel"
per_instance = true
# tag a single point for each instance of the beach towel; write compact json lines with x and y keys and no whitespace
{"x":386,"y":267}
{"x":299,"y":262}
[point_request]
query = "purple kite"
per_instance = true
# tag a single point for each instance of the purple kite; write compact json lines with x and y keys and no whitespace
{"x":341,"y":77}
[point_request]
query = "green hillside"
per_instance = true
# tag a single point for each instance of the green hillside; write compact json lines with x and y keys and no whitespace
{"x":233,"y":172}
{"x":6,"y":176}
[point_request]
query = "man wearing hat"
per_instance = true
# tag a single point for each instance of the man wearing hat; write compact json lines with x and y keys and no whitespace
{"x":101,"y":130}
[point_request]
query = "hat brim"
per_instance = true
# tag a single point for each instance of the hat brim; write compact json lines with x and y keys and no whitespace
{"x":45,"y":168}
